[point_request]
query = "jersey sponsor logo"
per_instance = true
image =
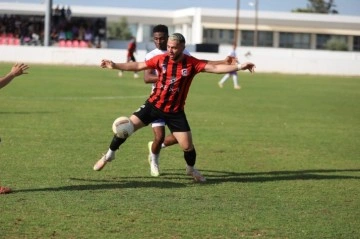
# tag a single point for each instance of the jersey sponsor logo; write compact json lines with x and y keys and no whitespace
{"x":163,"y":66}
{"x":184,"y":72}
{"x":173,"y":80}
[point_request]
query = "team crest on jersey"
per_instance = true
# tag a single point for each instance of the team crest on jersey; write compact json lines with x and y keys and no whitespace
{"x":163,"y":66}
{"x":184,"y":72}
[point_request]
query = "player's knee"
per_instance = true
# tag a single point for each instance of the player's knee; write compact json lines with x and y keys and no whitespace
{"x":189,"y":148}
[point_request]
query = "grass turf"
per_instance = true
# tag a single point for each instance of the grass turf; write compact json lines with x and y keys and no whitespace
{"x":281,"y":157}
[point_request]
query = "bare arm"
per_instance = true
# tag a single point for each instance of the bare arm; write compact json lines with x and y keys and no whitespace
{"x":129,"y":66}
{"x":17,"y":70}
{"x":229,"y":60}
{"x":150,"y":76}
{"x":219,"y":69}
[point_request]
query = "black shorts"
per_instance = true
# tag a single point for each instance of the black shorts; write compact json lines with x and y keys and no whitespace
{"x":176,"y":122}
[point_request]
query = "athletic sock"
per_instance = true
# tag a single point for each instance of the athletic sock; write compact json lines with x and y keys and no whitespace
{"x":110,"y":154}
{"x":154,"y":156}
{"x":190,"y":157}
{"x":116,"y":142}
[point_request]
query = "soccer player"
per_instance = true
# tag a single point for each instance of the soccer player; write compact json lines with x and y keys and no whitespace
{"x":160,"y":37}
{"x":176,"y":71}
{"x":131,"y":49}
{"x":233,"y":74}
{"x":16,"y":70}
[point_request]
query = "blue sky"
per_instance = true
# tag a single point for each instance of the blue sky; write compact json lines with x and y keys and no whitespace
{"x":345,"y":7}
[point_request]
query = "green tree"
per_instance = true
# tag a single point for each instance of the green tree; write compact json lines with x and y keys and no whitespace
{"x":318,"y":6}
{"x":335,"y":44}
{"x":119,"y":30}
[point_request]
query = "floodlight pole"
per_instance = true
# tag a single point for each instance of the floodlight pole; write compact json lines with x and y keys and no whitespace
{"x":47,"y":27}
{"x":256,"y":23}
{"x":237,"y":24}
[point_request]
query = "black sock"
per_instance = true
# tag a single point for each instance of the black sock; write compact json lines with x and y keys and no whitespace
{"x":116,"y":142}
{"x":190,"y":157}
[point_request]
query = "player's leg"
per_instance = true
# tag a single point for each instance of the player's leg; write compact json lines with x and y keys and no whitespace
{"x":180,"y":128}
{"x":185,"y":141}
{"x":140,"y":118}
{"x":168,"y":141}
{"x":136,"y":75}
{"x":155,"y":146}
{"x":223,"y":79}
{"x":159,"y":135}
{"x":235,"y":80}
{"x":115,"y":143}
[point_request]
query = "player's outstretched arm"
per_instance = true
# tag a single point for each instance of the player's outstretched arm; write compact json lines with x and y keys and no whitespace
{"x":220,"y":69}
{"x":129,"y":66}
{"x":16,"y":70}
{"x":107,"y":64}
{"x":229,"y":60}
{"x":247,"y":66}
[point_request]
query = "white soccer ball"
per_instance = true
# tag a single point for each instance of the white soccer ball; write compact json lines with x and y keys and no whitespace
{"x":123,"y":127}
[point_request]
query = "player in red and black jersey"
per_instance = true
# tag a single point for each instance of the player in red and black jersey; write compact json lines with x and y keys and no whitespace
{"x":160,"y":37}
{"x":176,"y":72}
{"x":131,"y":49}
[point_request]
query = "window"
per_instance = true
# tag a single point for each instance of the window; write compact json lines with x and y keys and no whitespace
{"x":294,"y":40}
{"x":221,"y":34}
{"x":218,"y":35}
{"x":231,"y":34}
{"x":356,"y":43}
{"x":247,"y":38}
{"x":321,"y":40}
{"x":265,"y":39}
{"x":331,"y":42}
{"x":208,"y":35}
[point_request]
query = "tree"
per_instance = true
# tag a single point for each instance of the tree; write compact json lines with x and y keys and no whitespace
{"x":319,"y":6}
{"x":336,"y":45}
{"x":119,"y":30}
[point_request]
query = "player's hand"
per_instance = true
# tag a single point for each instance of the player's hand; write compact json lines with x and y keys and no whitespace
{"x":19,"y":69}
{"x":248,"y":66}
{"x":107,"y":64}
{"x":230,"y":60}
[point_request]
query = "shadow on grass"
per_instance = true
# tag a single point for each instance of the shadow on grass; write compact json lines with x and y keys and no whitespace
{"x":105,"y":186}
{"x":311,"y":174}
{"x":212,"y":176}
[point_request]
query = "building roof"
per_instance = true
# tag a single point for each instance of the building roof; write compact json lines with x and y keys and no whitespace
{"x":209,"y":18}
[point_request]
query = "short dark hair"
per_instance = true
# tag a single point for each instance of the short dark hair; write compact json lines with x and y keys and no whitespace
{"x":161,"y":28}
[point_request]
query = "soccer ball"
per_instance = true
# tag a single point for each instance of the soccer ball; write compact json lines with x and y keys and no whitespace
{"x":122,"y":127}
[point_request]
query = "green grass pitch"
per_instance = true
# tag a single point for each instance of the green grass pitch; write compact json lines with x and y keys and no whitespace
{"x":281,"y":157}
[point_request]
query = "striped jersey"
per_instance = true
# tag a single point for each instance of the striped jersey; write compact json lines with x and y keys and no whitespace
{"x":170,"y":91}
{"x":156,"y":52}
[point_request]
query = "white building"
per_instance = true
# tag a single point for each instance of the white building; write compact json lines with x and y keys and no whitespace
{"x":287,"y":42}
{"x":216,"y":26}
